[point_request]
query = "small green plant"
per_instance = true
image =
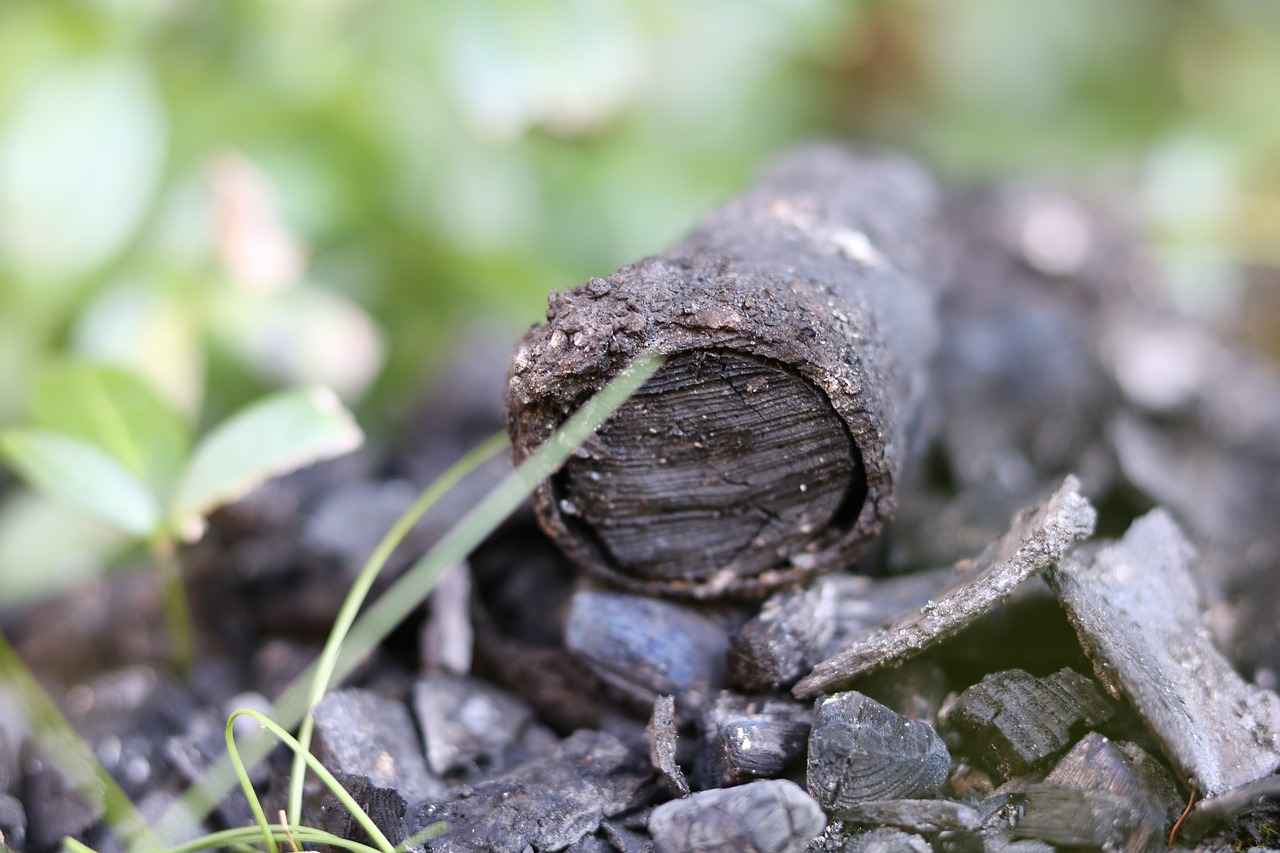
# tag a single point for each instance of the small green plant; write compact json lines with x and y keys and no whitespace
{"x":103,"y":441}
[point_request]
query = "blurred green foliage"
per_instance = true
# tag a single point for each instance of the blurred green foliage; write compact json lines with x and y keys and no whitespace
{"x":227,"y":195}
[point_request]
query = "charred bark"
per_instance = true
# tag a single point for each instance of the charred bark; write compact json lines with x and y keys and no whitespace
{"x":797,"y":322}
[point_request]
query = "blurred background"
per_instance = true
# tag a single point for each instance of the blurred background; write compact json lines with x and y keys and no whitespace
{"x":230,"y":197}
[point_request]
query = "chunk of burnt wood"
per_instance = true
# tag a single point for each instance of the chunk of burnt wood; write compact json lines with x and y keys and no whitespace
{"x":359,"y":733}
{"x":545,"y":804}
{"x":1015,"y":722}
{"x":644,"y":647}
{"x":920,"y":817}
{"x":859,"y":750}
{"x":384,"y":806}
{"x":784,"y":640}
{"x":1099,"y":764}
{"x":663,"y":739}
{"x":837,"y":839}
{"x":1135,"y":608}
{"x":1037,"y":540}
{"x":470,"y":725}
{"x":1241,"y":811}
{"x":769,"y":816}
{"x":1071,"y":818}
{"x":797,"y":324}
{"x":745,"y":738}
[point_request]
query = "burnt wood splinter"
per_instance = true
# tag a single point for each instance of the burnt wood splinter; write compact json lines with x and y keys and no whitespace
{"x":797,"y":322}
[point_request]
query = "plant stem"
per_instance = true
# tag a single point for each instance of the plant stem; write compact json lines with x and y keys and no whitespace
{"x":177,"y":613}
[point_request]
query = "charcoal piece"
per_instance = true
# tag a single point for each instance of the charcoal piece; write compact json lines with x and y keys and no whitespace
{"x":447,"y":636}
{"x":467,"y":723}
{"x":1069,"y":817}
{"x":360,"y":733}
{"x":784,"y":641}
{"x":769,"y":816}
{"x":880,"y":840}
{"x":1037,"y":540}
{"x":745,"y":738}
{"x":54,"y":809}
{"x":1098,"y":764}
{"x":547,"y":803}
{"x":859,"y":750}
{"x":384,"y":806}
{"x":798,"y":325}
{"x":13,"y":823}
{"x":662,"y":745}
{"x":645,"y":648}
{"x":1134,"y":606}
{"x":864,"y":603}
{"x":629,"y":836}
{"x":1014,"y":721}
{"x":921,"y":817}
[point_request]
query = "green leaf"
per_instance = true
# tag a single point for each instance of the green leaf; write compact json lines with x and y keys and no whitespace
{"x":272,"y":437}
{"x":80,"y":473}
{"x":116,"y":411}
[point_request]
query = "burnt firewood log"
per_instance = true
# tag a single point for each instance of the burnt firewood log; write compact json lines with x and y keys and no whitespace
{"x":797,"y":322}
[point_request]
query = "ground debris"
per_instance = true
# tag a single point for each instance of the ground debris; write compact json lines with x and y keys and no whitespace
{"x":1037,"y":540}
{"x":859,"y":750}
{"x":1014,"y":721}
{"x":769,"y":816}
{"x":784,"y":641}
{"x":545,"y":804}
{"x":663,"y":740}
{"x":751,"y":738}
{"x":1134,"y":606}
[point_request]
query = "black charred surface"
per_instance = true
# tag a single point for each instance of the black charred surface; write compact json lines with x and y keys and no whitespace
{"x":1015,"y":721}
{"x":799,"y":322}
{"x":720,"y":459}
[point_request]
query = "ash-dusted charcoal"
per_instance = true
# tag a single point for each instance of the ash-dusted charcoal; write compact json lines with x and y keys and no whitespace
{"x":785,"y":639}
{"x":921,"y":817}
{"x":468,"y":724}
{"x":1037,"y":540}
{"x":663,"y":740}
{"x":1015,"y":722}
{"x":798,"y":326}
{"x":769,"y":816}
{"x":1071,"y":818}
{"x":837,"y":839}
{"x":360,"y":733}
{"x":860,"y":750}
{"x":1099,"y":764}
{"x":745,"y":738}
{"x":645,"y":647}
{"x":447,"y":637}
{"x":384,"y":806}
{"x":546,"y":804}
{"x":1135,"y":607}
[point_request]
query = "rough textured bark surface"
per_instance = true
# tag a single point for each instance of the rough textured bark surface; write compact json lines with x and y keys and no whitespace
{"x":798,"y":323}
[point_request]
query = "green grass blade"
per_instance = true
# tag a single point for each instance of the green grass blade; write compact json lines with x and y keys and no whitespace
{"x":328,"y":660}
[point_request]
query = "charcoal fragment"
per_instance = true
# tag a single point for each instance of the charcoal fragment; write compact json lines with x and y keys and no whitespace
{"x":1014,"y":721}
{"x":1037,"y":540}
{"x":920,"y":817}
{"x":751,"y":738}
{"x":1069,"y":817}
{"x":784,"y":641}
{"x":769,"y":816}
{"x":13,"y":822}
{"x":545,"y":804}
{"x":798,"y":325}
{"x":1260,"y":797}
{"x":384,"y":806}
{"x":1134,"y":606}
{"x":469,"y":724}
{"x":359,"y":733}
{"x":645,"y":648}
{"x":859,"y":750}
{"x":836,"y":839}
{"x":1099,"y":764}
{"x":662,"y":745}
